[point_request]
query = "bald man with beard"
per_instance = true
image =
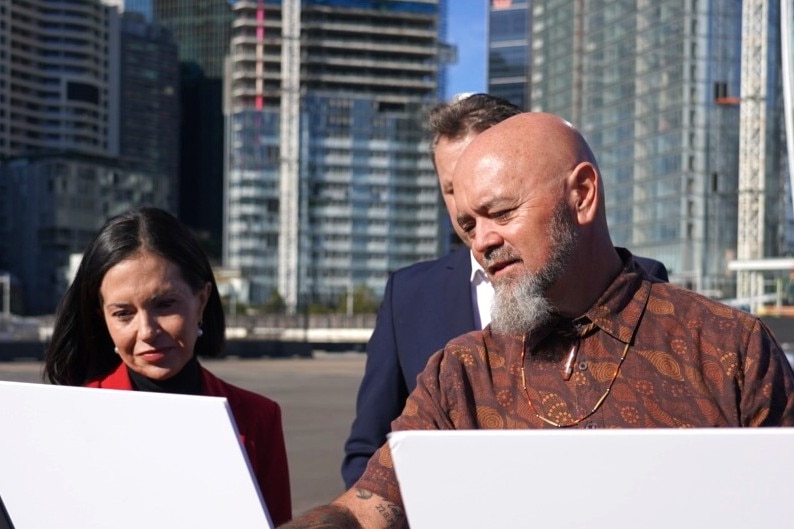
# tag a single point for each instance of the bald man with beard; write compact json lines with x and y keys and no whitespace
{"x":428,"y":303}
{"x":581,"y":335}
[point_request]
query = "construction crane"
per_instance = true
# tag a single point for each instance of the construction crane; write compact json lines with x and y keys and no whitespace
{"x":787,"y":49}
{"x":752,"y":145}
{"x":289,"y":184}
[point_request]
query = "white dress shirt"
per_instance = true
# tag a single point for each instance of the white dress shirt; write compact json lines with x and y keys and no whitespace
{"x":481,"y":294}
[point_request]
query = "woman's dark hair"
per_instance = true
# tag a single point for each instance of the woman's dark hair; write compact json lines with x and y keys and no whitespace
{"x":81,"y":348}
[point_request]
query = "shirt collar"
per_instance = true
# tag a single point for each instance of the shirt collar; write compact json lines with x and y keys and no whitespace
{"x":477,"y":269}
{"x":619,"y":309}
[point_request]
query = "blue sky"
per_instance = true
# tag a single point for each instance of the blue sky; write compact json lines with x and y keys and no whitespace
{"x":466,"y":29}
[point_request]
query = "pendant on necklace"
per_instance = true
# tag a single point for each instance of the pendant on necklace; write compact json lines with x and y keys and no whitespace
{"x":568,"y":369}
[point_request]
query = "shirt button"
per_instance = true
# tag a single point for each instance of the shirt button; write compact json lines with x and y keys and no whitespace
{"x":582,"y":365}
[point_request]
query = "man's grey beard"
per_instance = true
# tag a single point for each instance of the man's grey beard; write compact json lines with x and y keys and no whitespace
{"x":520,"y":305}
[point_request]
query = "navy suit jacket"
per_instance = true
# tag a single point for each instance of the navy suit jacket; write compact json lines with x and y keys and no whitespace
{"x":424,"y":306}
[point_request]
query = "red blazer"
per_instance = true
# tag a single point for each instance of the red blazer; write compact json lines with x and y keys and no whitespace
{"x":259,"y":424}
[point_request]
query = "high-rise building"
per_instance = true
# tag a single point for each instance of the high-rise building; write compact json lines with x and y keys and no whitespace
{"x":200,"y":27}
{"x":201,"y":30}
{"x":56,"y":203}
{"x":63,"y":170}
{"x":329,"y":183}
{"x":149,"y":102}
{"x":509,"y":50}
{"x":55,"y":81}
{"x":655,"y":88}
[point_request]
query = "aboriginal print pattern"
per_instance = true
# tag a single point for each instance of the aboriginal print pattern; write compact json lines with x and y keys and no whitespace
{"x":692,"y":362}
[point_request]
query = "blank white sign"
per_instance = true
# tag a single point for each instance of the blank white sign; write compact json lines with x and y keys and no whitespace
{"x":99,"y":458}
{"x":727,"y":478}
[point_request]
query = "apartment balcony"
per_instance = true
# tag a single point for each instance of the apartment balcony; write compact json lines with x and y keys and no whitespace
{"x":248,"y":53}
{"x":243,"y":96}
{"x":272,"y":39}
{"x":248,"y":74}
{"x":378,"y":46}
{"x":245,"y":82}
{"x":253,"y":229}
{"x":251,"y":23}
{"x":77,"y":11}
{"x":238,"y":209}
{"x":333,"y":212}
{"x":398,"y":65}
{"x":374,"y":80}
{"x":34,"y":92}
{"x":353,"y":30}
{"x":413,"y":216}
{"x":89,"y":34}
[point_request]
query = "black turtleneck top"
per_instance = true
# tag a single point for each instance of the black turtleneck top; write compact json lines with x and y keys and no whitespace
{"x":186,"y":382}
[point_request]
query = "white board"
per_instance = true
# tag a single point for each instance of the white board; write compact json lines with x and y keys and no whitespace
{"x":99,"y":458}
{"x":727,"y":478}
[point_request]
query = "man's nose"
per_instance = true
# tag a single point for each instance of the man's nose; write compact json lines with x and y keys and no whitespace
{"x":486,"y":238}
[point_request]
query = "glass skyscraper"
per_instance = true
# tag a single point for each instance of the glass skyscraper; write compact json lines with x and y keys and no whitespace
{"x":201,"y":30}
{"x":509,"y":50}
{"x":655,"y":88}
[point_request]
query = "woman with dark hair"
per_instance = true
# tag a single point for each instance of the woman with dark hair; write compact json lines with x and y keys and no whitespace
{"x":142,"y":308}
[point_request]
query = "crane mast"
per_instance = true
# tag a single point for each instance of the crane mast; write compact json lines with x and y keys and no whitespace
{"x":289,"y":134}
{"x":752,"y":144}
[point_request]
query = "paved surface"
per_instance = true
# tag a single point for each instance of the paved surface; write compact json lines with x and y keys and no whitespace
{"x":317,"y":397}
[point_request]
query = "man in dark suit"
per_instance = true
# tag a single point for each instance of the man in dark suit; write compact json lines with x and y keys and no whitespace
{"x":427,"y":304}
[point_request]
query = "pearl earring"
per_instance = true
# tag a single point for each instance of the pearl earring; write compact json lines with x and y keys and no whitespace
{"x":200,"y":331}
{"x":116,"y":350}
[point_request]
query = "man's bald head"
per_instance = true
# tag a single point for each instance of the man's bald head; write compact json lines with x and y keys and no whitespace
{"x":530,"y":149}
{"x":544,"y":143}
{"x":529,"y":196}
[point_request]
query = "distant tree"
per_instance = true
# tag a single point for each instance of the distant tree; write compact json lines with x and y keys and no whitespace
{"x":363,"y":299}
{"x":321,"y":308}
{"x":274,"y":304}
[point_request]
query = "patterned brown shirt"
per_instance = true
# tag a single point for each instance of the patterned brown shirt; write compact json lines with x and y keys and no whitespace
{"x":690,"y":362}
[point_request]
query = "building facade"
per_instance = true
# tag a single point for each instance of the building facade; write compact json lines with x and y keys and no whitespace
{"x":329,"y":183}
{"x":55,"y":80}
{"x":57,"y":204}
{"x":656,"y":89}
{"x":149,"y":103}
{"x":63,"y":170}
{"x":509,"y":50}
{"x":201,"y":30}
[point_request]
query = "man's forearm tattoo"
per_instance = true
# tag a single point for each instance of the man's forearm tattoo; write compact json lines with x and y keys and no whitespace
{"x":390,"y":512}
{"x":363,"y":494}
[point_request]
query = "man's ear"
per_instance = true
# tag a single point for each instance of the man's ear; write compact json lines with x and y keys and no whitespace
{"x":584,"y":183}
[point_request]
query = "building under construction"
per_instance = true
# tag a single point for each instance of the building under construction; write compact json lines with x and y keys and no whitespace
{"x":329,"y":185}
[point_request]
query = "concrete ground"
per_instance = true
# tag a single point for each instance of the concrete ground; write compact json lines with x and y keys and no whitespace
{"x":317,"y":396}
